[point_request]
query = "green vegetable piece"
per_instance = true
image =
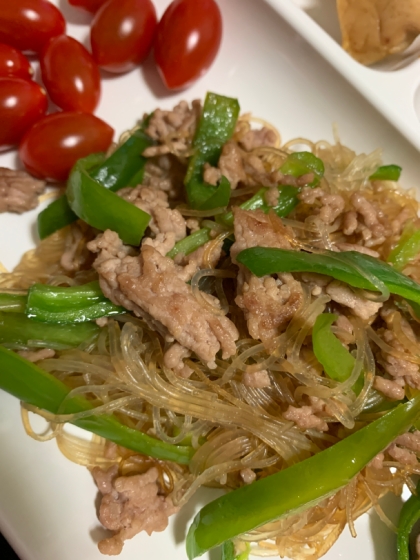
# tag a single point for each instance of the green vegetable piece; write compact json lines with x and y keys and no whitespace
{"x":409,"y":515}
{"x":118,"y":170}
{"x":17,"y":329}
{"x":337,"y":362}
{"x":103,"y":209}
{"x":345,"y":266}
{"x":386,"y":173}
{"x":55,"y":216}
{"x":125,"y":167}
{"x":288,"y":200}
{"x":12,"y":302}
{"x":407,"y":248}
{"x":215,"y":127}
{"x":298,"y":487}
{"x":58,"y":304}
{"x":228,"y":551}
{"x":34,"y":386}
{"x":190,"y":243}
{"x":302,"y":163}
{"x":219,"y":198}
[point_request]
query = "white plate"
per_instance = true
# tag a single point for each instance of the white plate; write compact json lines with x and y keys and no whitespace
{"x":47,"y":504}
{"x":392,"y":86}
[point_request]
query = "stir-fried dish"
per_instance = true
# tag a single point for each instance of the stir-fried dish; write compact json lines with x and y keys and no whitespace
{"x":220,"y":308}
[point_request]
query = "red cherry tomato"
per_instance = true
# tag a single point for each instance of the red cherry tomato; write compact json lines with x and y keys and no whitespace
{"x":187,"y":40}
{"x":89,"y":5}
{"x":27,"y":25}
{"x":13,"y":63}
{"x":53,"y":145}
{"x":70,"y":75}
{"x":122,"y":34}
{"x":22,"y":103}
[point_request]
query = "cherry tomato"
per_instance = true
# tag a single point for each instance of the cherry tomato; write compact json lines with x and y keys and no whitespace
{"x":52,"y":146}
{"x":122,"y":34}
{"x":187,"y":40}
{"x":27,"y":25}
{"x":89,"y":5}
{"x":70,"y":75}
{"x":13,"y":63}
{"x":22,"y":103}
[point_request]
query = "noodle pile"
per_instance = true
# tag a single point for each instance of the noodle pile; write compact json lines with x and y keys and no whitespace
{"x":241,"y":432}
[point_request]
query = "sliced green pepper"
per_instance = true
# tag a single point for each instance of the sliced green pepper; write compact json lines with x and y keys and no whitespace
{"x":125,"y":167}
{"x":190,"y":243}
{"x":298,"y":487}
{"x":302,"y":163}
{"x":288,"y":200}
{"x":55,"y":216}
{"x":337,"y":362}
{"x":34,"y":386}
{"x":12,"y":302}
{"x":407,"y":248}
{"x":215,"y":127}
{"x":103,"y":209}
{"x":345,"y":266}
{"x":119,"y":169}
{"x":58,"y":304}
{"x":17,"y":329}
{"x":386,"y":173}
{"x":410,"y":514}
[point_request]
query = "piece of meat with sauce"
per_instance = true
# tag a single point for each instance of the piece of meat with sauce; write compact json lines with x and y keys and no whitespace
{"x":155,"y":202}
{"x":19,"y":191}
{"x":360,"y":306}
{"x":153,"y":284}
{"x":268,"y":303}
{"x":129,"y":505}
{"x":373,"y":29}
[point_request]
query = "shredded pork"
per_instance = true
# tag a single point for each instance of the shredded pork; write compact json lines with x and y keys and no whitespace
{"x":19,"y":191}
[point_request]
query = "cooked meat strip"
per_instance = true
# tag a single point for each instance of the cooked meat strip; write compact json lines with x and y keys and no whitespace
{"x":130,"y":504}
{"x":305,"y":417}
{"x":155,"y":202}
{"x":174,"y":359}
{"x":19,"y":191}
{"x":154,"y":284}
{"x":231,"y":164}
{"x":257,"y":138}
{"x":360,"y":306}
{"x":258,"y":379}
{"x":392,"y":389}
{"x":253,"y":228}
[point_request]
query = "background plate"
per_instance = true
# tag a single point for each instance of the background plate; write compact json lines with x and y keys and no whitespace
{"x":47,"y":504}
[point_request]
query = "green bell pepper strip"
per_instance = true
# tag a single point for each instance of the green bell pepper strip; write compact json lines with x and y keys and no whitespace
{"x":12,"y":302}
{"x":125,"y":167}
{"x":386,"y":173}
{"x":343,"y":266}
{"x":16,"y":328}
{"x":215,"y":127}
{"x":407,"y":248}
{"x":191,"y":243}
{"x":118,"y":170}
{"x":337,"y":362}
{"x":298,"y":487}
{"x":302,"y":163}
{"x":59,"y":213}
{"x":103,"y":209}
{"x":58,"y":304}
{"x":34,"y":386}
{"x":55,"y":216}
{"x":288,"y":200}
{"x":409,"y":515}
